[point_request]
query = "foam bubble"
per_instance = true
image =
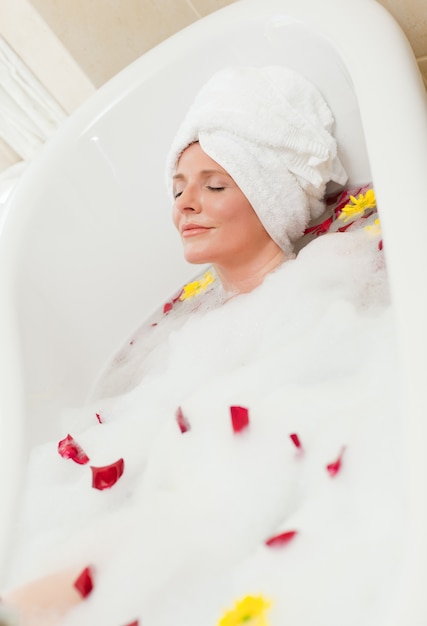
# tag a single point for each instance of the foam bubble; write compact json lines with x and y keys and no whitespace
{"x":182,"y":534}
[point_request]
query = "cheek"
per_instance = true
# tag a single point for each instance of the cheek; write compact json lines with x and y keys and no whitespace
{"x":244,"y":217}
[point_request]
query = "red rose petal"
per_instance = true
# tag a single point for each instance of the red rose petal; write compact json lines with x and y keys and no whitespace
{"x":182,"y":421}
{"x":239,"y":418}
{"x":334,"y":467}
{"x":296,"y":441}
{"x":135,"y":623}
{"x":177,"y":296}
{"x":380,"y":244}
{"x":342,"y":201}
{"x":68,"y":448}
{"x":99,"y":418}
{"x":320,"y":229}
{"x":329,"y":200}
{"x":84,"y":582}
{"x":167,"y":307}
{"x":342,"y":229}
{"x":107,"y":476}
{"x":281,"y":539}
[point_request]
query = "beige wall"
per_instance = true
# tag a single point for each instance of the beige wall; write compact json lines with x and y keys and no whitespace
{"x":41,"y":49}
{"x":412,"y":17}
{"x":104,"y":36}
{"x":72,"y":47}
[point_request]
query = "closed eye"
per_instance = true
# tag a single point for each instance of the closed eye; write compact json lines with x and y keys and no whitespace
{"x":215,"y":188}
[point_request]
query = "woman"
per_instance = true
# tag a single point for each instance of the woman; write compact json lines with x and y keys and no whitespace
{"x":207,"y":500}
{"x":269,"y":130}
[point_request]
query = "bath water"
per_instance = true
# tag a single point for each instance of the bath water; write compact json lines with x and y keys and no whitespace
{"x":301,"y":505}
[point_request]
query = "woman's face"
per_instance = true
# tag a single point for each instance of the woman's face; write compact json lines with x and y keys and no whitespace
{"x":214,"y":218}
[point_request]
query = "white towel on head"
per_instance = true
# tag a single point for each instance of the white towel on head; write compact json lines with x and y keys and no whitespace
{"x":271,"y":130}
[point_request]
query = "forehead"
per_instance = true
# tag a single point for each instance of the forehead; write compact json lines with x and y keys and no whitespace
{"x":194,"y":159}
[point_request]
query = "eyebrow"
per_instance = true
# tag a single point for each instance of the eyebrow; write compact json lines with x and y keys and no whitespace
{"x":204,"y":172}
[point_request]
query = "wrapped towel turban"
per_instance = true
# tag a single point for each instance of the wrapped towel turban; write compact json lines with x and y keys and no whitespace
{"x":270,"y":129}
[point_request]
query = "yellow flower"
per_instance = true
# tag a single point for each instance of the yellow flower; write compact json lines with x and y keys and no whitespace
{"x":193,"y":289}
{"x":374,"y":230}
{"x":249,"y":611}
{"x":359,"y":206}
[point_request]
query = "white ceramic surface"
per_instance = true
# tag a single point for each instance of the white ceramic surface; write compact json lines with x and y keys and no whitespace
{"x":87,"y":249}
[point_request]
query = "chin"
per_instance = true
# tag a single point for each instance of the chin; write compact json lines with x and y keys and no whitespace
{"x":197,"y":257}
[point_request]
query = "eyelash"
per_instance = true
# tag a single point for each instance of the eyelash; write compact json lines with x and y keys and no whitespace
{"x":208,"y":187}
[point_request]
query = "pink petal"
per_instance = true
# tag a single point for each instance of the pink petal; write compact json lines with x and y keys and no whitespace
{"x":239,"y":418}
{"x":334,"y":467}
{"x":99,"y":418}
{"x":281,"y":540}
{"x":107,"y":476}
{"x":68,"y":448}
{"x":296,"y":441}
{"x":183,"y":423}
{"x":84,"y":582}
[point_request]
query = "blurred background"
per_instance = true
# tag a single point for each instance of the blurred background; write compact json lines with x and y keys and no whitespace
{"x":55,"y":53}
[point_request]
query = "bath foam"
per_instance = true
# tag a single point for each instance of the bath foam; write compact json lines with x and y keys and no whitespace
{"x":182,"y":534}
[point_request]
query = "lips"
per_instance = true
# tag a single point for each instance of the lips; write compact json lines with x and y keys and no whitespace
{"x":191,"y":230}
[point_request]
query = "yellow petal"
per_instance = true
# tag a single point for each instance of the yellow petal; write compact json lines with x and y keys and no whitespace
{"x":197,"y":286}
{"x":374,"y":230}
{"x":359,"y":206}
{"x":248,"y":611}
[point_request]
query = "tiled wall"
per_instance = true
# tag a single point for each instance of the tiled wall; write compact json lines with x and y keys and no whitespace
{"x":104,"y":36}
{"x":74,"y":46}
{"x":412,"y":17}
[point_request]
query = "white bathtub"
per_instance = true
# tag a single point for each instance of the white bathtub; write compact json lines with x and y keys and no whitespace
{"x":87,"y":249}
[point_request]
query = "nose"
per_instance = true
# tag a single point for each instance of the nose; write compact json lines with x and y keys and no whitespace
{"x":188,"y":200}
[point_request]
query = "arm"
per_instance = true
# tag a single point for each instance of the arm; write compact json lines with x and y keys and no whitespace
{"x":45,"y":601}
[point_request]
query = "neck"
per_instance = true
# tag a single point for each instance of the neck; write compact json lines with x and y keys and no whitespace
{"x":244,"y":279}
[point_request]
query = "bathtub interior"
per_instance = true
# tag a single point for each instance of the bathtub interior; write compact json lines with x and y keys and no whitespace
{"x":100,"y":249}
{"x":91,"y":249}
